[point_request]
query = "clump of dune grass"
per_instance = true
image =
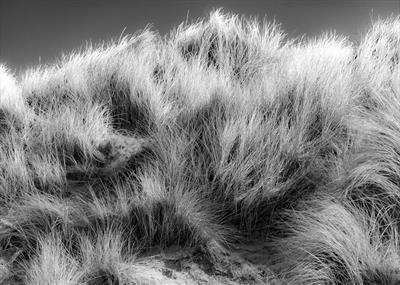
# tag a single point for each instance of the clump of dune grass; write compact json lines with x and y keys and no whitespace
{"x":328,"y":241}
{"x":223,"y":133}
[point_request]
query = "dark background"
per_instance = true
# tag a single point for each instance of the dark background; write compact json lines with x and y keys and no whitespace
{"x":38,"y":31}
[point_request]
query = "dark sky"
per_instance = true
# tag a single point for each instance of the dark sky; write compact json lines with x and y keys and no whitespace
{"x":33,"y":29}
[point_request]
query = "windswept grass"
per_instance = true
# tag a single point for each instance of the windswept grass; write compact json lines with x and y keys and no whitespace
{"x":222,"y":134}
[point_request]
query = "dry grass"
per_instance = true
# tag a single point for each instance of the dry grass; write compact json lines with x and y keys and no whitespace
{"x":221,"y":134}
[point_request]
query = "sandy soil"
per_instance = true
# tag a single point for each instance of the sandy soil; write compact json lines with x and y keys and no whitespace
{"x":246,"y":264}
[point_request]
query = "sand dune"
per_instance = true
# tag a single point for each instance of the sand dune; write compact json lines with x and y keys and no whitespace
{"x":224,"y":153}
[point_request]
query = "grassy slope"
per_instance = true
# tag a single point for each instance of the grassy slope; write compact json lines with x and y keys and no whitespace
{"x":222,"y":135}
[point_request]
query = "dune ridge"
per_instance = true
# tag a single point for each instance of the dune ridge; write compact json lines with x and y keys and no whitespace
{"x":222,"y":153}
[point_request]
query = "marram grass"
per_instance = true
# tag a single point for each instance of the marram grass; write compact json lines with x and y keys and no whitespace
{"x":223,"y":153}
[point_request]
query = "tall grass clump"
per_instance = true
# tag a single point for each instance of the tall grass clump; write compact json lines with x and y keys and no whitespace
{"x":266,"y":159}
{"x":332,"y":242}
